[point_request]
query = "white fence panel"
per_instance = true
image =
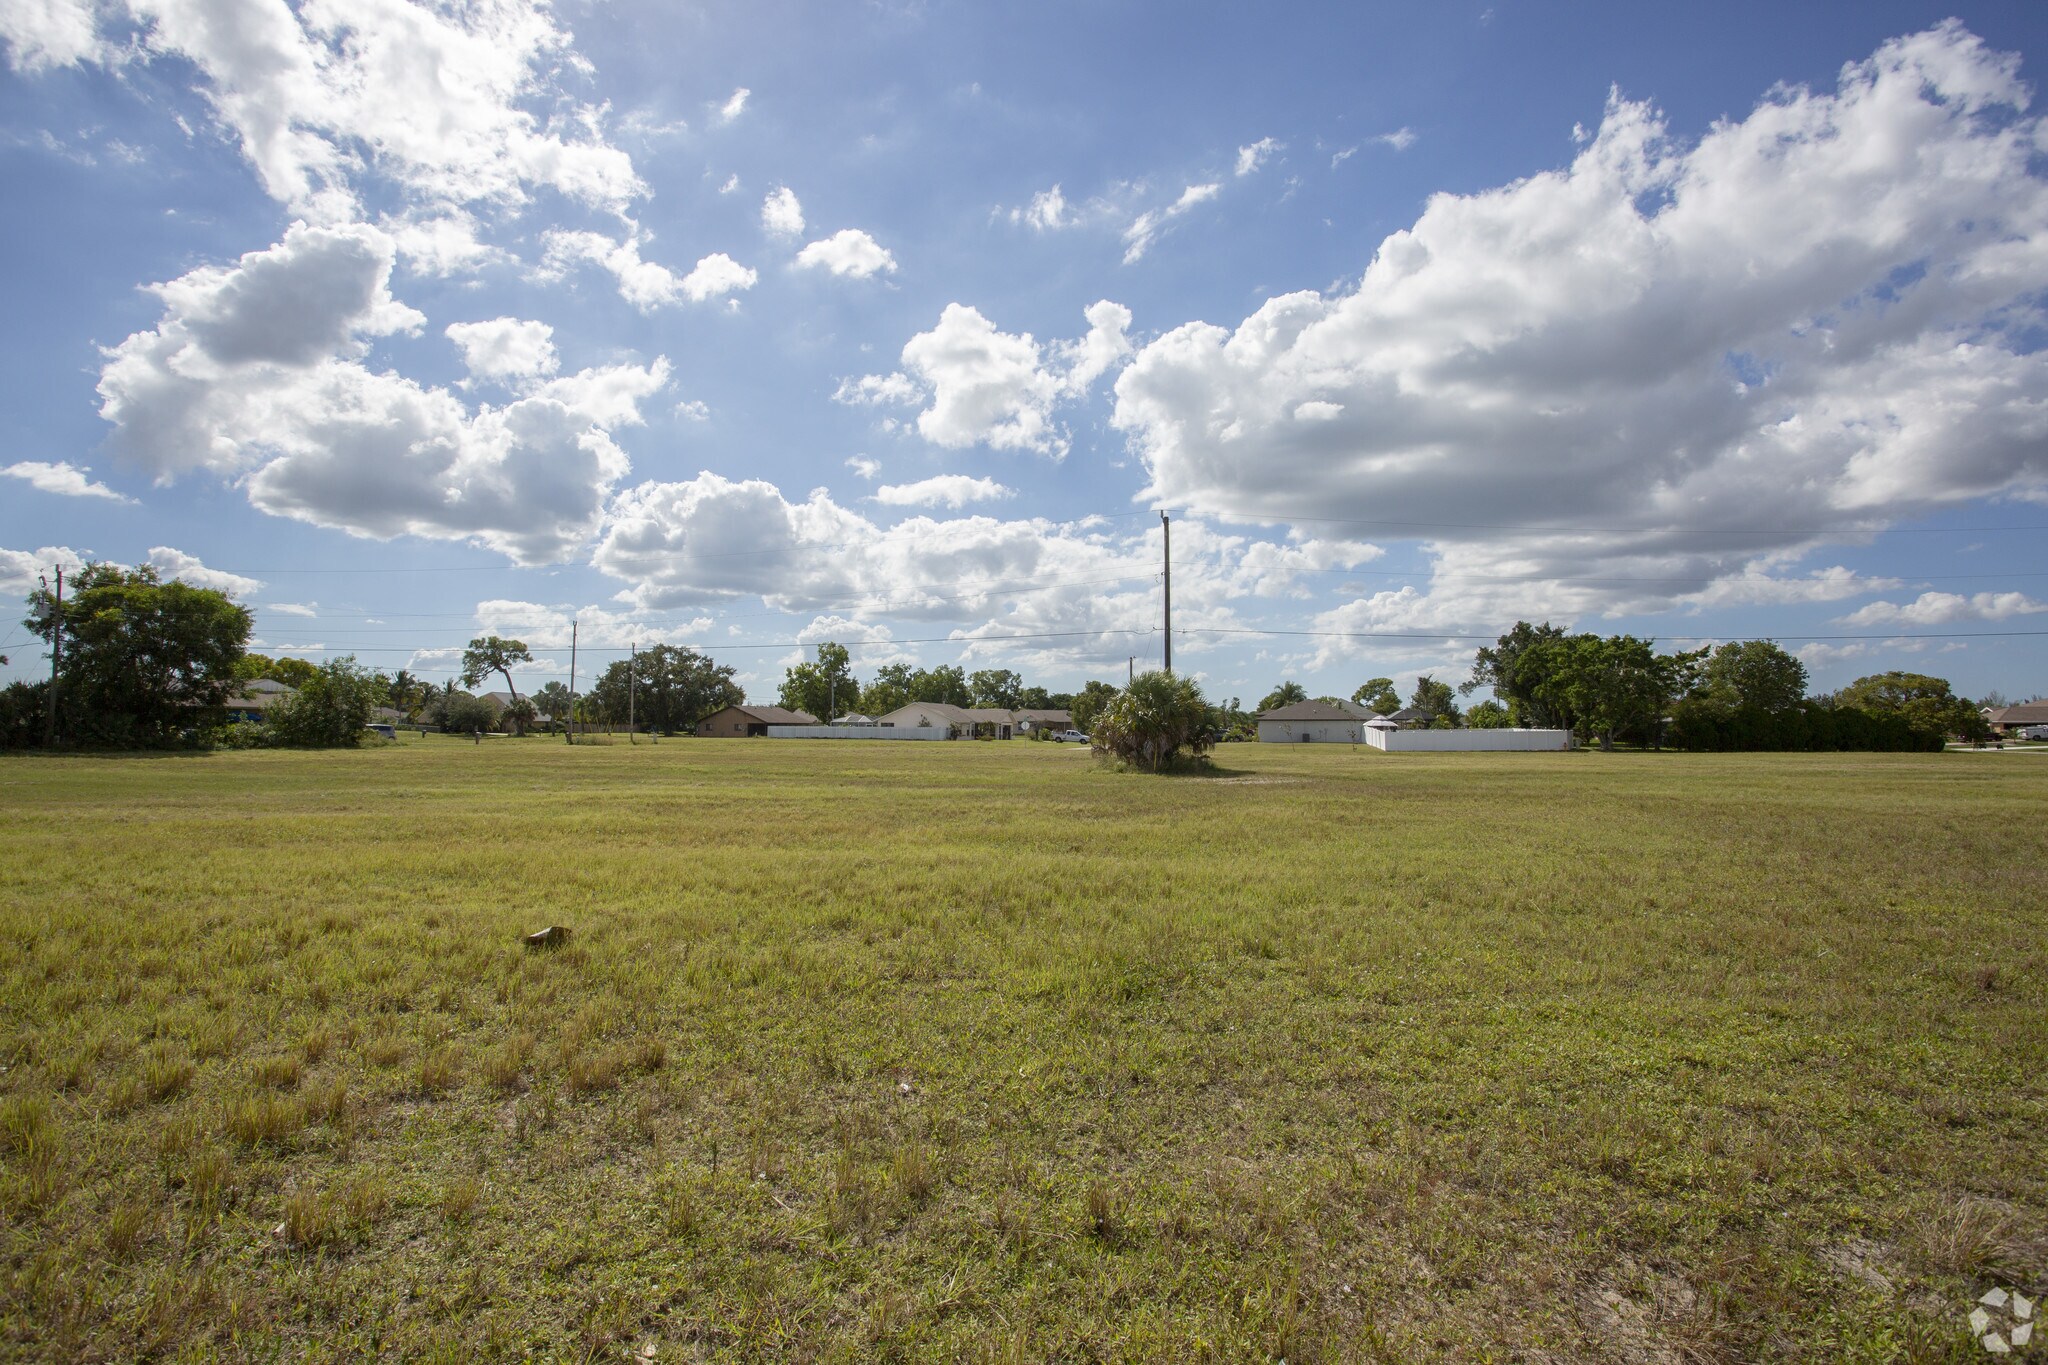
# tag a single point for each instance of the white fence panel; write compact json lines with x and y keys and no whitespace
{"x":1468,"y":741}
{"x":857,"y":732}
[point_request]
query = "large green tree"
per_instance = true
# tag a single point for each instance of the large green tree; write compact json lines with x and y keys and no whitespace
{"x":329,"y":710}
{"x":946,"y":683}
{"x":490,"y":654}
{"x":1610,"y":686}
{"x":1488,"y":715}
{"x":673,"y":687}
{"x":1435,"y":700}
{"x":1088,"y":703}
{"x":1925,"y":703}
{"x":553,"y":702}
{"x":1753,"y":673}
{"x":1515,"y":667}
{"x":142,"y":659}
{"x":1379,"y":694}
{"x":288,"y":671}
{"x":825,"y":688}
{"x":998,"y":687}
{"x":889,"y":691}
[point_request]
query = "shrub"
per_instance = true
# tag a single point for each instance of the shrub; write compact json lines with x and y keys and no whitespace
{"x":1150,"y":722}
{"x":329,"y":710}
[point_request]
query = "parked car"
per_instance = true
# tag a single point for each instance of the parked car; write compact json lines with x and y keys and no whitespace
{"x":2032,"y":732}
{"x":387,"y":731}
{"x":1072,"y":737}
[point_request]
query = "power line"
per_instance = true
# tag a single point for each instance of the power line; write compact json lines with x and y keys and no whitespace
{"x":725,"y":646}
{"x":1274,"y":518}
{"x":1660,"y":635}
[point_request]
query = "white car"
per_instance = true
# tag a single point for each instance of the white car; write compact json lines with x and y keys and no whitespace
{"x":1072,"y":737}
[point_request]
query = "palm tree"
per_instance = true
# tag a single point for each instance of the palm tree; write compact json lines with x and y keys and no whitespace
{"x":553,"y":699}
{"x":405,"y":693}
{"x":1286,"y":694}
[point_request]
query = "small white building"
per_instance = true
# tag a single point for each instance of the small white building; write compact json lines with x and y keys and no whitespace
{"x":1314,"y":722}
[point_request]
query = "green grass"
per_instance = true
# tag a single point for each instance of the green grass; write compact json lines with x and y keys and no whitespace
{"x":974,"y":1051}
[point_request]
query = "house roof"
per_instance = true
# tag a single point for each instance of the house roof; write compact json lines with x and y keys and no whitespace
{"x":258,"y":685}
{"x":1358,"y":710}
{"x":258,"y":701}
{"x":1408,"y":713}
{"x":1043,"y":716}
{"x":778,"y":715}
{"x":944,"y":711}
{"x":1307,"y":710}
{"x":2026,"y":713}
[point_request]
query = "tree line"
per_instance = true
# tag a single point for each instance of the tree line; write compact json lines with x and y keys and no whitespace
{"x":149,"y":663}
{"x":1747,"y":694}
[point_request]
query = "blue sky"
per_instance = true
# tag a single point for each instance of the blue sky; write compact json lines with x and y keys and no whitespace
{"x":750,"y":326}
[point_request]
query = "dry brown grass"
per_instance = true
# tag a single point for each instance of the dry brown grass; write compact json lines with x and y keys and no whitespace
{"x":1382,"y":1059}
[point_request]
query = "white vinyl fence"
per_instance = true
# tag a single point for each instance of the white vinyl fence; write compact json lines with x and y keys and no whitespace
{"x":1467,"y":741}
{"x":857,"y":732}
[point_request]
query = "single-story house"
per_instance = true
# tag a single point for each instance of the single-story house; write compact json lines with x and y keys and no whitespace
{"x":739,"y":722}
{"x":2006,"y":719}
{"x":256,"y":700}
{"x":966,"y":722}
{"x":1031,"y":719}
{"x":1311,"y":722}
{"x":1410,"y":718}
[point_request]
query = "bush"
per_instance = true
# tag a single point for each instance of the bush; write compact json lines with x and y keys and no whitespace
{"x":1703,"y":726}
{"x":329,"y":710}
{"x":23,"y":709}
{"x":1150,"y":722}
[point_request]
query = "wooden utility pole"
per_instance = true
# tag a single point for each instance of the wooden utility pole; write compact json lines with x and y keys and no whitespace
{"x":1166,"y":552}
{"x":56,"y":661}
{"x":632,"y":686}
{"x":570,"y":733}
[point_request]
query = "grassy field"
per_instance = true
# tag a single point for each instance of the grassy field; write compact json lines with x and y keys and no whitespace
{"x":980,"y":1052}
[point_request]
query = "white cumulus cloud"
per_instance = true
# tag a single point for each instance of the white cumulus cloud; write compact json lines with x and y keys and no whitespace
{"x":326,"y":95}
{"x":734,"y":106}
{"x":642,"y":283}
{"x":61,"y":478}
{"x":943,"y":490}
{"x":1074,"y":589}
{"x":505,"y":348}
{"x":176,"y":564}
{"x":995,"y":388}
{"x":1612,"y":385}
{"x":21,"y":571}
{"x":1945,"y":608}
{"x":781,"y":214}
{"x":848,"y":252}
{"x":42,"y":34}
{"x":255,"y":373}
